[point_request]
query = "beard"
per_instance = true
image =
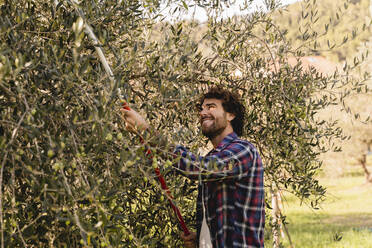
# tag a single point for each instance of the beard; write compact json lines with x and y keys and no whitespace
{"x":215,"y":128}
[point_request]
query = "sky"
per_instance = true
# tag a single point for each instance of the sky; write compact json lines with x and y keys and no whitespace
{"x":201,"y":16}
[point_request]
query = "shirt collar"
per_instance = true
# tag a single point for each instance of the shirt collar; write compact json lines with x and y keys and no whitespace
{"x":227,"y":140}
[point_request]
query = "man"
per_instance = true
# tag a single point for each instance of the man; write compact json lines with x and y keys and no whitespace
{"x":230,"y":205}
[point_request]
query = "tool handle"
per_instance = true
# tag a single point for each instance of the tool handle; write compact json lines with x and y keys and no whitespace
{"x":175,"y":209}
{"x":125,"y":106}
{"x":165,"y":187}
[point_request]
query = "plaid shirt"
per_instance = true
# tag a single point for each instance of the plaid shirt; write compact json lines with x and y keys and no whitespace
{"x":232,"y":185}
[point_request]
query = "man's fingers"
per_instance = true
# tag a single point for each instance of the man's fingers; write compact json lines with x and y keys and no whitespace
{"x":134,"y":119}
{"x":124,"y":111}
{"x":190,"y":245}
{"x":188,"y":238}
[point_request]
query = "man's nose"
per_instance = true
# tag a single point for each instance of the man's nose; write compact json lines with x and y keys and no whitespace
{"x":203,"y":112}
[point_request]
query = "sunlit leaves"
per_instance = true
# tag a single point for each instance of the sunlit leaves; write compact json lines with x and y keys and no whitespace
{"x":74,"y":177}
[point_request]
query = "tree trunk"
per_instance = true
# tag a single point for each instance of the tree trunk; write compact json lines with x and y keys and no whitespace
{"x":276,"y":218}
{"x":363,"y":162}
{"x":279,"y":229}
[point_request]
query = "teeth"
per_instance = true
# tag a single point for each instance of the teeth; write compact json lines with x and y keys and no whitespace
{"x":203,"y":120}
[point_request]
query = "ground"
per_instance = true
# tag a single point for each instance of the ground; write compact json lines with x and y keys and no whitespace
{"x":344,"y":220}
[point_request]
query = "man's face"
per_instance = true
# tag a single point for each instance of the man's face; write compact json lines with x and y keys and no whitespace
{"x":213,"y":118}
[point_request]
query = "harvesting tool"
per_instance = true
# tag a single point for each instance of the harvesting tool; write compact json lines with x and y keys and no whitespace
{"x":82,"y":23}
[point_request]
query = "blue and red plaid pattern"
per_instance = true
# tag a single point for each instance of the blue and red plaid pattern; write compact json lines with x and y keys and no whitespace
{"x":231,"y":181}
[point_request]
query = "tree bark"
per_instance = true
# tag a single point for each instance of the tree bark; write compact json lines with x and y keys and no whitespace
{"x":363,"y":162}
{"x":276,"y":218}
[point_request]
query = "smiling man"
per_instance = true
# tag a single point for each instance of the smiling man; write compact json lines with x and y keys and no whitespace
{"x":230,"y":204}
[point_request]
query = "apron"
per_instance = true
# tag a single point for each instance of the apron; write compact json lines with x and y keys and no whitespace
{"x":205,"y":236}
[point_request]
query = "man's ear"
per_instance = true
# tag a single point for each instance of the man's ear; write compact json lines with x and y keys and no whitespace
{"x":230,"y":116}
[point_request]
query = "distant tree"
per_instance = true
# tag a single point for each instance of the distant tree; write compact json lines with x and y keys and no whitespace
{"x":358,"y":147}
{"x":358,"y":127}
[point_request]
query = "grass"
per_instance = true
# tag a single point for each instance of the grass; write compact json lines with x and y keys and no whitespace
{"x":343,"y":221}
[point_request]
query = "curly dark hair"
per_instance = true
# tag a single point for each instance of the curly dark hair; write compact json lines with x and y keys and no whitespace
{"x":231,"y":103}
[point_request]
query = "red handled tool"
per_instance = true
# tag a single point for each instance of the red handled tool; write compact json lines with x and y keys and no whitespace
{"x":175,"y":209}
{"x":81,"y":22}
{"x":125,"y":106}
{"x":165,"y":188}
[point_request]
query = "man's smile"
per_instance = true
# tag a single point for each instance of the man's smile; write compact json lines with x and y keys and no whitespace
{"x":207,"y":120}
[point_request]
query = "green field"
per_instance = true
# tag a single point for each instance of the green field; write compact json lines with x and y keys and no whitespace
{"x":343,"y":221}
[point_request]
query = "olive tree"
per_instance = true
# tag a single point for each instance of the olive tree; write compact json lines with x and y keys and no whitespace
{"x":72,"y":176}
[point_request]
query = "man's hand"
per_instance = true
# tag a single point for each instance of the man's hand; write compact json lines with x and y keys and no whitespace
{"x":134,"y":122}
{"x":189,"y":240}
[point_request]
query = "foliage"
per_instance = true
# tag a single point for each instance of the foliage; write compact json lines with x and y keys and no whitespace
{"x":355,"y":148}
{"x":64,"y":158}
{"x":340,"y":25}
{"x":72,"y":176}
